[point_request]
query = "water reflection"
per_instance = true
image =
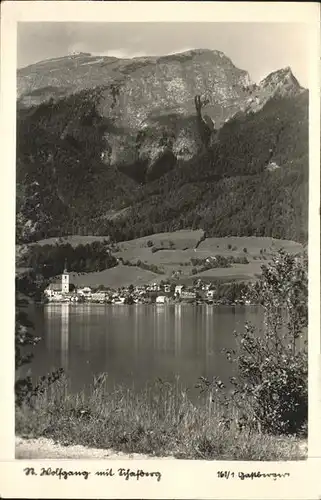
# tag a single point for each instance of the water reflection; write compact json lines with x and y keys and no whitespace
{"x":178,"y":329}
{"x":136,"y":332}
{"x":209,"y":335}
{"x":139,"y":343}
{"x":49,"y":327}
{"x":64,"y":336}
{"x":56,"y":335}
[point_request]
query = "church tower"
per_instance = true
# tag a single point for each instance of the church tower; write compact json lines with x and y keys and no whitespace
{"x":65,"y":280}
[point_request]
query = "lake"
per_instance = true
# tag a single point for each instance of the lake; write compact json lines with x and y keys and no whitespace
{"x":137,"y":344}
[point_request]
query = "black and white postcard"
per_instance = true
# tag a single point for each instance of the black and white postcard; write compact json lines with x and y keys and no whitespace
{"x":160,"y":214}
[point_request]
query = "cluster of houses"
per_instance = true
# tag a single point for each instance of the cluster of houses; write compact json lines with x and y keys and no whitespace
{"x":64,"y":291}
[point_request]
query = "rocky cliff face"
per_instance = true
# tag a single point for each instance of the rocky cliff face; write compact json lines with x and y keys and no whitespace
{"x":149,"y":102}
{"x":141,"y":85}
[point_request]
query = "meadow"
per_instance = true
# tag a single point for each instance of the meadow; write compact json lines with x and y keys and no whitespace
{"x":172,"y":252}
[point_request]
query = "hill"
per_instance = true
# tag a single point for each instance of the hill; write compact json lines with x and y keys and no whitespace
{"x":181,"y":256}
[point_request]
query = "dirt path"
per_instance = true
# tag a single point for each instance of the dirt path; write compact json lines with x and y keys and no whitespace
{"x":47,"y":448}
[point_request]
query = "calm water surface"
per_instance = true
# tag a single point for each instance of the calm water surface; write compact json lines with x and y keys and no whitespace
{"x":137,"y":344}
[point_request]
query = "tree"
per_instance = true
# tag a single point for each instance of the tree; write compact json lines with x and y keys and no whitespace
{"x":283,"y":293}
{"x":25,"y":340}
{"x":271,"y":368}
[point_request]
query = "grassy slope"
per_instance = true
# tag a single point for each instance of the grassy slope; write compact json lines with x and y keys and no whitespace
{"x":253,"y":244}
{"x":237,"y":272}
{"x":177,"y":259}
{"x":185,"y":246}
{"x":116,"y":277}
{"x":180,"y":240}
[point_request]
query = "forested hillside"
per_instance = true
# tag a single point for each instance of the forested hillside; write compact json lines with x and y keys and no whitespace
{"x":251,"y":180}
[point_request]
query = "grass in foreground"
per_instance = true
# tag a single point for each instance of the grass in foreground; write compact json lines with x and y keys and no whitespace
{"x":159,"y":421}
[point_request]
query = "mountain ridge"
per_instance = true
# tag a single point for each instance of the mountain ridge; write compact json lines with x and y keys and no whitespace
{"x":119,"y":70}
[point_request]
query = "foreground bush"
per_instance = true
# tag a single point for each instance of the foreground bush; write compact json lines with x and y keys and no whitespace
{"x":271,"y":366}
{"x":160,"y":420}
{"x":27,"y":289}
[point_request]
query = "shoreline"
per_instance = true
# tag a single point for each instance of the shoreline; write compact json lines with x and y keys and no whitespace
{"x":166,"y":304}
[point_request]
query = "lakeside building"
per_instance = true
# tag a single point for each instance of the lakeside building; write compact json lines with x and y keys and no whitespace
{"x":178,"y":289}
{"x":188,"y":295}
{"x":161,"y":299}
{"x":85,"y":292}
{"x":119,"y":300}
{"x":53,"y":290}
{"x":98,"y":296}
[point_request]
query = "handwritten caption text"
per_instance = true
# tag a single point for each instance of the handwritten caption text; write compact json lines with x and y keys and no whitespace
{"x":61,"y":473}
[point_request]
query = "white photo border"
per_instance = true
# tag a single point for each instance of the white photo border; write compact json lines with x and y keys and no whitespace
{"x":180,"y":479}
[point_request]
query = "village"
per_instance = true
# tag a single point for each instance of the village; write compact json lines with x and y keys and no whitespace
{"x":154,"y":293}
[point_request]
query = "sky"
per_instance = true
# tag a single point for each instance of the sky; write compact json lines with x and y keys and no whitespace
{"x":258,"y":48}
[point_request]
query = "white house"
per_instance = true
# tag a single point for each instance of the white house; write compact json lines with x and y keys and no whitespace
{"x":161,"y":299}
{"x":188,"y":295}
{"x":53,"y":290}
{"x":57,"y":298}
{"x":178,"y":289}
{"x":85,"y":292}
{"x":98,"y":296}
{"x":119,"y":300}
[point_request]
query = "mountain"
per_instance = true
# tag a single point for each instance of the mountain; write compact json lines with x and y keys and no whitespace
{"x":185,"y":140}
{"x":149,"y":104}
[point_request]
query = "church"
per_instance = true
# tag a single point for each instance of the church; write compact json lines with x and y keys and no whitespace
{"x":59,"y":290}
